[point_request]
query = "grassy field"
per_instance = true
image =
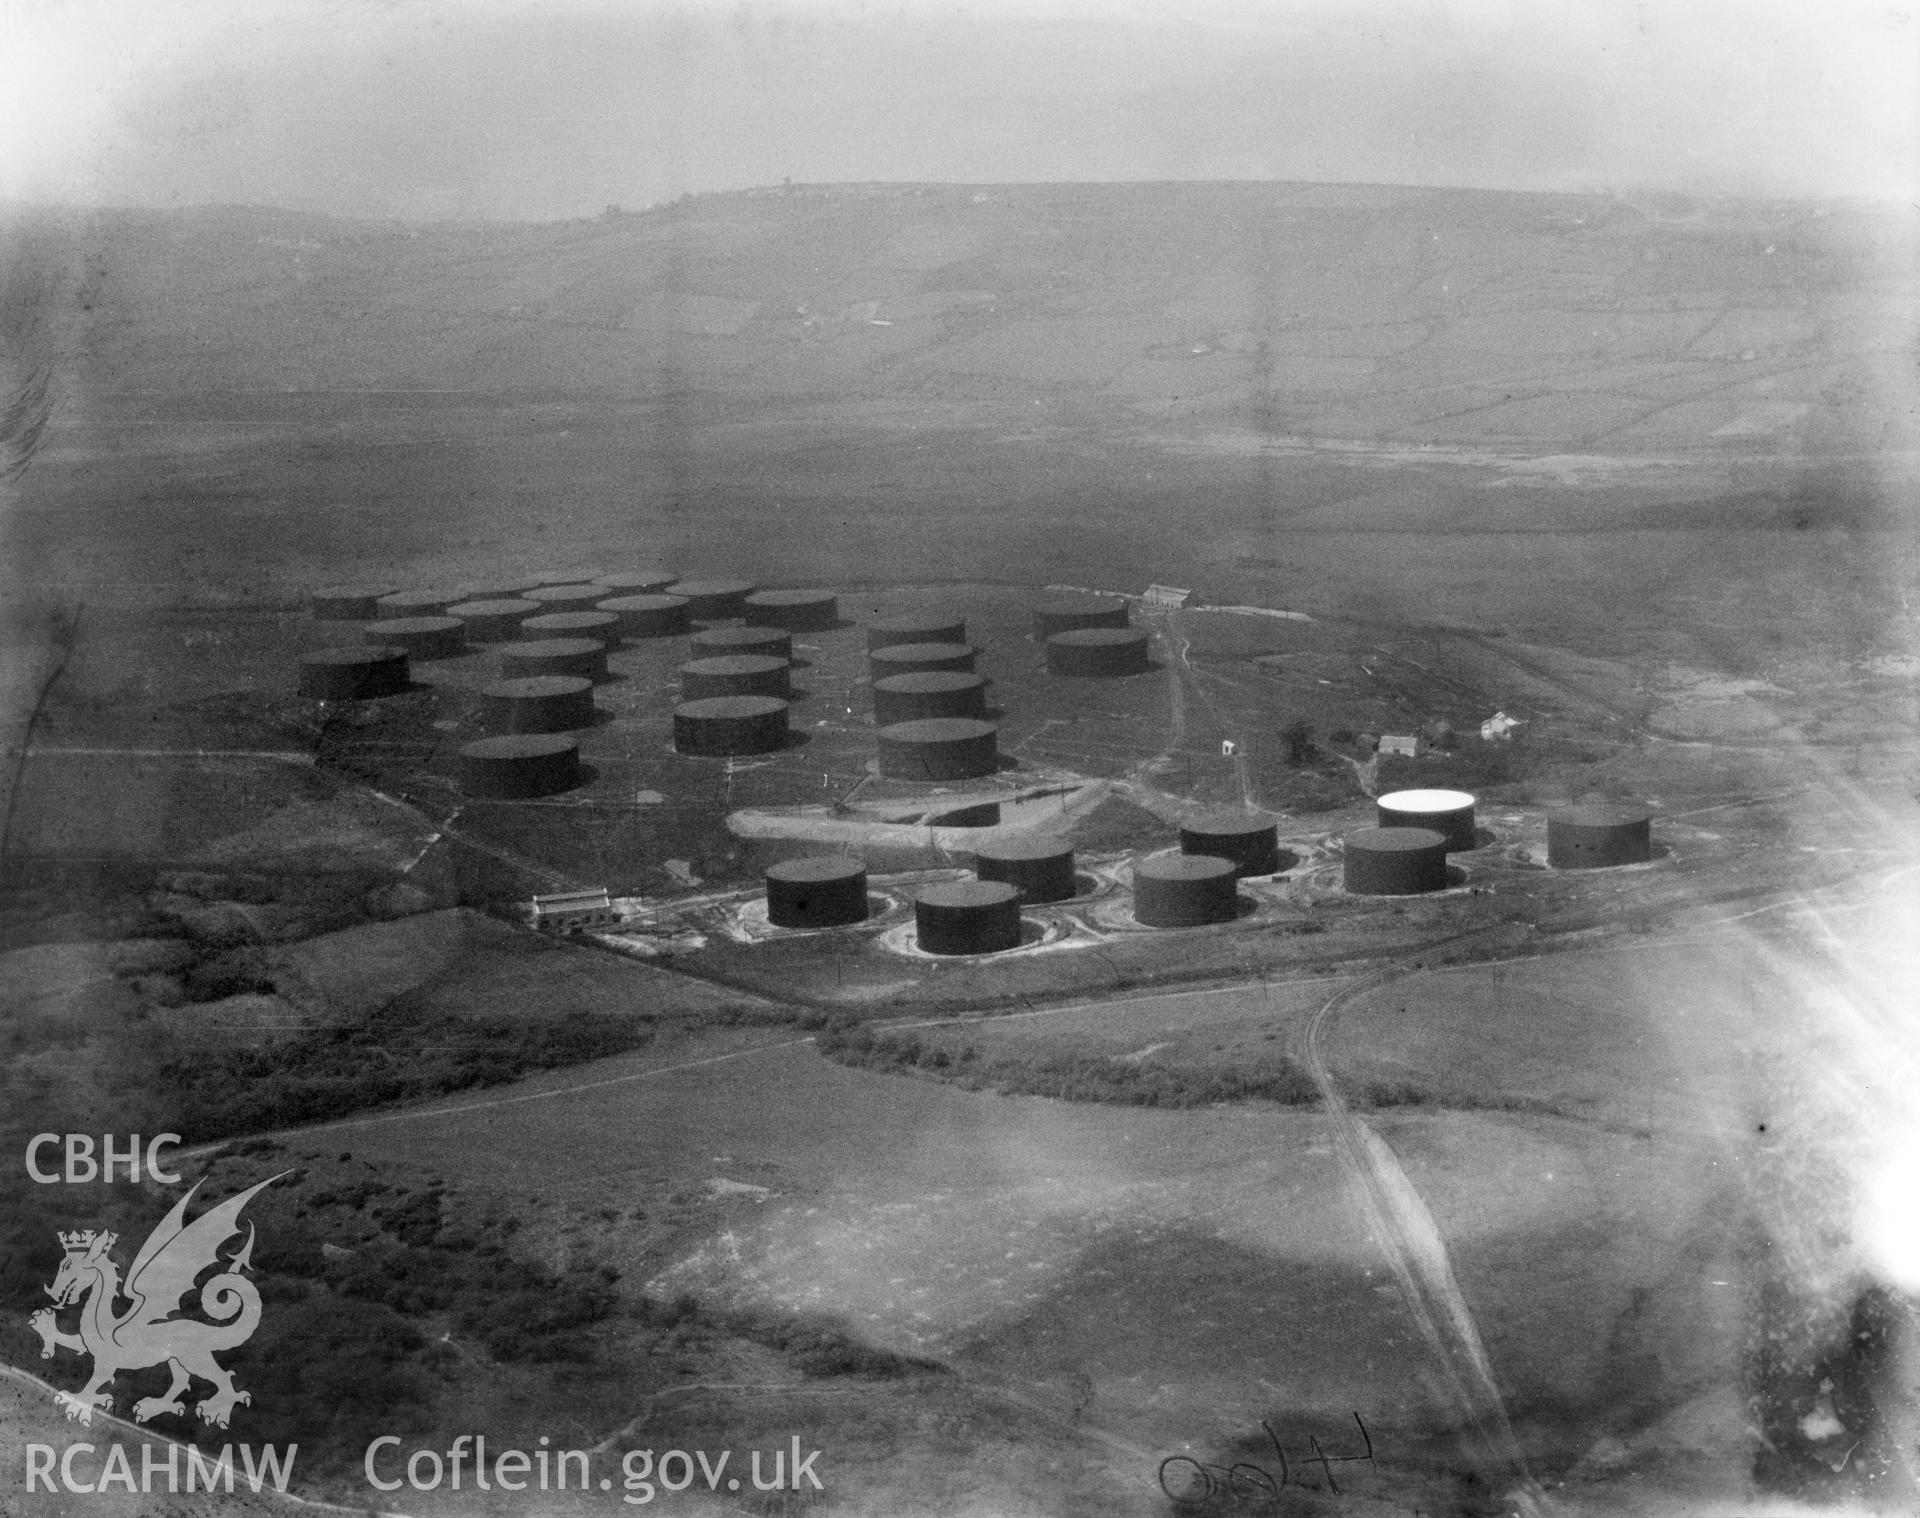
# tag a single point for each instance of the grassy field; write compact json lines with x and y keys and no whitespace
{"x":1165,"y":1264}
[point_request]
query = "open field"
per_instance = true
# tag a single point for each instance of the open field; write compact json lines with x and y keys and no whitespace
{"x":1198,"y":1270}
{"x":1563,"y":1194}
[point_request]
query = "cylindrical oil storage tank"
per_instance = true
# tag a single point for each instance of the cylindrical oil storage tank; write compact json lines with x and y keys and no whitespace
{"x":715,"y":600}
{"x":602,"y":626}
{"x":1098,"y":653}
{"x":719,"y":726}
{"x":1395,"y":861}
{"x":422,"y":637}
{"x":795,"y":610}
{"x":821,"y":891}
{"x":347,"y":605}
{"x":636,"y":582}
{"x":538,"y":704}
{"x":736,"y":675}
{"x":714,"y":642}
{"x":967,"y":917}
{"x":493,"y":621}
{"x":913,"y":658}
{"x":585,"y":657}
{"x":932,"y":624}
{"x":1041,"y":869}
{"x":1074,"y":613}
{"x":1185,"y":891}
{"x":1448,"y":813}
{"x":353,"y":674}
{"x":566,"y":597}
{"x":1599,"y":835}
{"x":648,"y":616}
{"x":1252,"y":843}
{"x":415,"y":603}
{"x":520,"y":766}
{"x":939,"y":748}
{"x":929,"y":693}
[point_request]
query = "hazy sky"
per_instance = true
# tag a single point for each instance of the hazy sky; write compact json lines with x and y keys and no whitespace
{"x":510,"y":108}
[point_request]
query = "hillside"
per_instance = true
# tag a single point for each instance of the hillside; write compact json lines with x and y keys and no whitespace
{"x":1332,"y":312}
{"x":902,"y":383}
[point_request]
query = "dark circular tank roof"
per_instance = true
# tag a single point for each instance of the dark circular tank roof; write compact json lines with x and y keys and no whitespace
{"x":400,"y":626}
{"x":1603,"y":814}
{"x":400,"y":599}
{"x":569,"y":621}
{"x":551,"y":648}
{"x":1185,"y":867}
{"x":729,"y":708}
{"x":921,"y":681}
{"x":520,"y":746}
{"x":713,"y":587}
{"x":1394,"y":840}
{"x":504,"y":607}
{"x":742,"y":637}
{"x":566,"y":595}
{"x":1099,"y":637}
{"x":491,"y":590}
{"x":939,"y":730}
{"x":532,"y":686}
{"x":1228,"y":824}
{"x":1024,"y":848}
{"x":734,"y":664}
{"x":906,"y":653}
{"x":817,"y":867}
{"x":792,"y":597}
{"x":641,"y":603}
{"x":968,"y":894}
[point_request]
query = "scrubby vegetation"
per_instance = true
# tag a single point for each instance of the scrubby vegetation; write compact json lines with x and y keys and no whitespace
{"x":403,"y":1052}
{"x":408,"y":1254}
{"x":357,"y":1277}
{"x":1472,"y":765}
{"x":1296,"y":741}
{"x":1091,"y":1077}
{"x":1075,"y":1077}
{"x":385,"y":1295}
{"x":815,"y":1346}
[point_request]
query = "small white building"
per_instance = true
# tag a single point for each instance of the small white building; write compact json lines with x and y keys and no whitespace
{"x":1410,"y":744}
{"x":1498,"y":728}
{"x":1165,"y":597}
{"x":574,"y":911}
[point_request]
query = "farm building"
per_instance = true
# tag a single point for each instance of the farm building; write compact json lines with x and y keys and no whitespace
{"x":1410,"y":744}
{"x":574,"y":911}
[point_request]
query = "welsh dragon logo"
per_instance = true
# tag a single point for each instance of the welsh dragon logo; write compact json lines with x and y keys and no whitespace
{"x":174,"y":1256}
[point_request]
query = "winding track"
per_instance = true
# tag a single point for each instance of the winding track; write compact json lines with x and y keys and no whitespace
{"x":1182,"y":681}
{"x":1411,"y":1241}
